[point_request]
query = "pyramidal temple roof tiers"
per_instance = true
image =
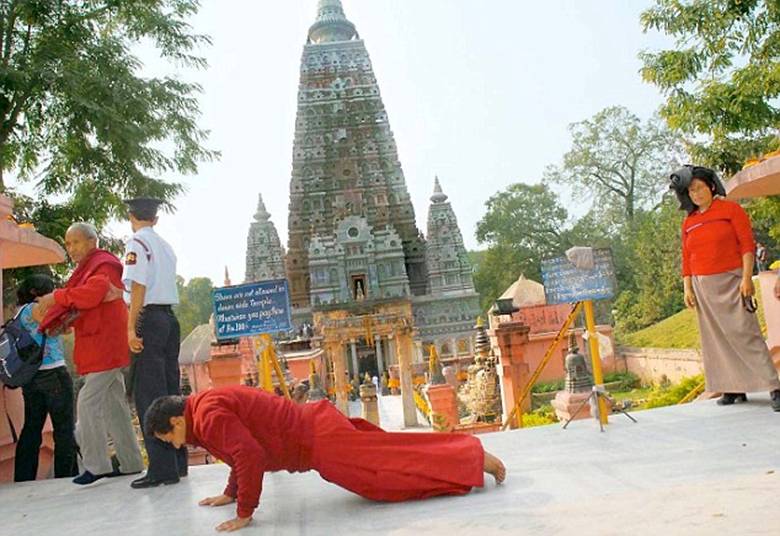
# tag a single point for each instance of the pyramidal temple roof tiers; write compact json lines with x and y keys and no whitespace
{"x":353,"y":244}
{"x":331,"y":25}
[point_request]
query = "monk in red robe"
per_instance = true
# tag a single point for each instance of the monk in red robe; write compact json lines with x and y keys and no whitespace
{"x":254,"y":432}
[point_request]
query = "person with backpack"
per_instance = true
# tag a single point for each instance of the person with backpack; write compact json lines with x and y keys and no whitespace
{"x":91,"y":301}
{"x":48,"y":393}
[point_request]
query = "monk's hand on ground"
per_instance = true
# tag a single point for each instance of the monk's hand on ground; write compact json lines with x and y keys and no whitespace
{"x":746,"y":287}
{"x":689,"y":298}
{"x":234,"y":524}
{"x":136,"y":343}
{"x":113,"y":294}
{"x":218,"y":500}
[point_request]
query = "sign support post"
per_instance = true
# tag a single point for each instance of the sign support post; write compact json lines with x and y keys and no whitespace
{"x":593,"y":341}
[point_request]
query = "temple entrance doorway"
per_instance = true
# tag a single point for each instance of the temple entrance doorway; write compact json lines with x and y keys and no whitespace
{"x":386,"y":326}
{"x":366,"y":360}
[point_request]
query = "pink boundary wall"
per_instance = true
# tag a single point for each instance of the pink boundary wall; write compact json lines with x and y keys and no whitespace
{"x":21,"y":246}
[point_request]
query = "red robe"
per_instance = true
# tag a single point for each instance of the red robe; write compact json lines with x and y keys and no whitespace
{"x":101,"y":327}
{"x":254,"y":432}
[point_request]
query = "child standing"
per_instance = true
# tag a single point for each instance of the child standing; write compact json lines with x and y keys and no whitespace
{"x":50,"y":392}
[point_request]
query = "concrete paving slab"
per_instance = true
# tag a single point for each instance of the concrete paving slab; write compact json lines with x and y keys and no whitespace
{"x":693,"y":469}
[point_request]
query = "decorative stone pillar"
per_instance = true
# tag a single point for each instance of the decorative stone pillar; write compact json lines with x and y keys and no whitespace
{"x":368,"y":403}
{"x":444,"y":407}
{"x":392,"y":357}
{"x":405,"y":346}
{"x":419,"y":354}
{"x":454,"y":344}
{"x":766,"y":281}
{"x":511,"y":338}
{"x":336,"y":352}
{"x":353,"y":350}
{"x":224,"y":367}
{"x":380,"y":363}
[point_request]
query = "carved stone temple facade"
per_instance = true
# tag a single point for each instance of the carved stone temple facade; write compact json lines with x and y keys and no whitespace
{"x":264,"y":251}
{"x":355,"y":256}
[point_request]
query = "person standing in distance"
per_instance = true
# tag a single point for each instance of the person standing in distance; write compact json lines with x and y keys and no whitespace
{"x":153,"y":333}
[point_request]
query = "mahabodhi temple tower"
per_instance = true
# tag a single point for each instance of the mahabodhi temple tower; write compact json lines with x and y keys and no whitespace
{"x":354,"y":247}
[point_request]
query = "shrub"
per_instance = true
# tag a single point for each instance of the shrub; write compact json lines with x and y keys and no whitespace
{"x":669,"y":395}
{"x":628,"y":380}
{"x":547,"y":387}
{"x":540,"y":417}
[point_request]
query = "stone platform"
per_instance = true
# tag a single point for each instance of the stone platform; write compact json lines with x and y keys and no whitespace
{"x":693,"y":469}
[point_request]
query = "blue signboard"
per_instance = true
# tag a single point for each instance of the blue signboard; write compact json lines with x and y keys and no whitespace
{"x":565,"y":283}
{"x":252,"y":309}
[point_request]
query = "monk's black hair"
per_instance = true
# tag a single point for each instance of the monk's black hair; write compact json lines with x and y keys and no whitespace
{"x":158,"y":417}
{"x":33,"y":286}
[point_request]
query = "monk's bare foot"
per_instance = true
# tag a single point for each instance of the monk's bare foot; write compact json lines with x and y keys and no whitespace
{"x":495,"y":467}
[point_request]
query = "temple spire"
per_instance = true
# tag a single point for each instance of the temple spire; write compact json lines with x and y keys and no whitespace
{"x":438,"y":195}
{"x":262,"y":214}
{"x":227,"y":277}
{"x":331,"y":24}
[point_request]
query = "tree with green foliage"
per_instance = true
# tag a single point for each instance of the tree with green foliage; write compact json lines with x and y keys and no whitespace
{"x":79,"y":119}
{"x":652,"y":254}
{"x":523,"y":225}
{"x":195,"y":303}
{"x":618,"y":161}
{"x":500,"y":267}
{"x":722,"y":78}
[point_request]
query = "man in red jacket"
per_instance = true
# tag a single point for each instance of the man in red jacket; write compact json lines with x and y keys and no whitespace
{"x":93,"y":297}
{"x":254,"y":432}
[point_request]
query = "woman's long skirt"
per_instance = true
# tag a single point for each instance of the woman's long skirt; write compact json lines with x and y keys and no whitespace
{"x":736,"y":359}
{"x":393,"y":466}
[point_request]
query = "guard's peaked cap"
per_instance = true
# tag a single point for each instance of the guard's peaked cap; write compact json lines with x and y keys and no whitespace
{"x":143,"y":208}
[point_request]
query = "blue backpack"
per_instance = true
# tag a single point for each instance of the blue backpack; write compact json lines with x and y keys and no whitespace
{"x":20,"y":355}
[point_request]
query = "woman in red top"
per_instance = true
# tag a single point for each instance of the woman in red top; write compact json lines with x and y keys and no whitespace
{"x":717,"y":260}
{"x":254,"y":432}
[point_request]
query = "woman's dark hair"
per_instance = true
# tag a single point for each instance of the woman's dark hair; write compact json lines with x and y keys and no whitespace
{"x":158,"y":417}
{"x":706,"y":175}
{"x":34,"y":286}
{"x":681,"y":181}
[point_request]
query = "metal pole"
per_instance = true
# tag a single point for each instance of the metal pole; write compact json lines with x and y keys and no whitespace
{"x":593,"y":341}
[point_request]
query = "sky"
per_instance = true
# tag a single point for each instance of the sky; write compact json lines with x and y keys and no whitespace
{"x":479,"y":93}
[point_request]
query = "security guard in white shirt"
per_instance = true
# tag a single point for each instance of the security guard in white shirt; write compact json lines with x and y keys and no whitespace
{"x":153,"y":333}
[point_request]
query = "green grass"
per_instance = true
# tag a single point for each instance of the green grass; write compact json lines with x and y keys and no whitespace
{"x":680,"y":330}
{"x":640,"y":393}
{"x":677,"y":331}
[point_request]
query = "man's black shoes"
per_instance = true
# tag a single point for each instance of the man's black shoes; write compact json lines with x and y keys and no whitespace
{"x":146,"y":482}
{"x":730,"y":398}
{"x":775,"y":399}
{"x":87,"y":478}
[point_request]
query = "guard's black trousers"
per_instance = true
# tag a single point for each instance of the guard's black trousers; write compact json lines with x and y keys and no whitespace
{"x":156,"y":374}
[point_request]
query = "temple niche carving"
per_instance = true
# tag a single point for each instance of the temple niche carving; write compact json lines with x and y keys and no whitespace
{"x":354,"y":246}
{"x":356,"y":263}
